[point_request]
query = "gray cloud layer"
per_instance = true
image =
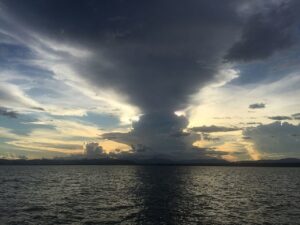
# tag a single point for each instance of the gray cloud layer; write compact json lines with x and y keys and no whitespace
{"x":276,"y":140}
{"x":267,"y":31}
{"x":213,"y":128}
{"x":280,"y":118}
{"x":296,"y":116}
{"x":257,"y":106}
{"x":157,"y":53}
{"x":7,"y":112}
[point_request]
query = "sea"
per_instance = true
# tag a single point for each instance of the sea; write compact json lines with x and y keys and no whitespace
{"x":86,"y":194}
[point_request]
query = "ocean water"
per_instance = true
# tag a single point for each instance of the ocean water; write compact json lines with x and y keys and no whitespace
{"x":148,"y":195}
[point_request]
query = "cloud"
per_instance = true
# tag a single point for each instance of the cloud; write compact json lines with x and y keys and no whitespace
{"x":275,"y":140}
{"x":173,"y":57}
{"x":149,"y":62}
{"x":273,"y":27}
{"x":61,"y":137}
{"x":213,"y":128}
{"x":208,"y":137}
{"x":223,"y":118}
{"x":280,"y":118}
{"x":65,"y":146}
{"x":296,"y":116}
{"x":161,"y":135}
{"x":254,"y":123}
{"x":246,"y":138}
{"x":151,"y":59}
{"x":93,"y":150}
{"x":12,"y":96}
{"x":38,"y":108}
{"x":47,"y":75}
{"x":257,"y":106}
{"x":7,"y":112}
{"x":232,"y":101}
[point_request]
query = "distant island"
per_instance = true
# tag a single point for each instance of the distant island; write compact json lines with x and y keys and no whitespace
{"x":287,"y":162}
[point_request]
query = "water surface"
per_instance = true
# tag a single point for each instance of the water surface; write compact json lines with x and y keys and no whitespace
{"x":148,"y":195}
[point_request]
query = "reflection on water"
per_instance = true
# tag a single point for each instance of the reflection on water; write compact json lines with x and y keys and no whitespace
{"x":160,"y":190}
{"x":148,"y":195}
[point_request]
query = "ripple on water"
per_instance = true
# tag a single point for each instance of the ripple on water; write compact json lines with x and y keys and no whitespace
{"x":148,"y":195}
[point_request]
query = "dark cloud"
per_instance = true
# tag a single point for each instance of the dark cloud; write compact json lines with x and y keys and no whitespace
{"x":213,"y":128}
{"x":296,"y":116}
{"x":246,"y":138}
{"x":153,"y":132}
{"x":93,"y":150}
{"x":7,"y":112}
{"x":161,"y":134}
{"x":38,"y":108}
{"x":275,"y":140}
{"x":180,"y":134}
{"x":267,"y":31}
{"x":257,"y":106}
{"x":280,"y":118}
{"x":153,"y":53}
{"x":254,"y":123}
{"x":208,"y":137}
{"x":149,"y":52}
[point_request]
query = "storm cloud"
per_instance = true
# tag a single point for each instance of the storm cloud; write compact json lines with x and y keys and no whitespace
{"x":153,"y":54}
{"x":161,"y":135}
{"x":267,"y":31}
{"x":156,"y":53}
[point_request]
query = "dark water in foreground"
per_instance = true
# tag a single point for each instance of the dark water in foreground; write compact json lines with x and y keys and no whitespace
{"x":148,"y":195}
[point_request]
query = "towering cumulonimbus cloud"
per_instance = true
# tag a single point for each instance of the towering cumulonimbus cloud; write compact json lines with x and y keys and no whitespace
{"x":160,"y":134}
{"x":157,"y":53}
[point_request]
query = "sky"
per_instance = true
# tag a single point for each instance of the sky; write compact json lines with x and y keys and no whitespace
{"x":136,"y":79}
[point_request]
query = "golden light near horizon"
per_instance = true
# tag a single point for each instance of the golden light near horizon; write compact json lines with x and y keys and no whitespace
{"x":114,"y":147}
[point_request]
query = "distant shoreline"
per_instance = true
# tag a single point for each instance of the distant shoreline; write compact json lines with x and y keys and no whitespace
{"x":115,"y":162}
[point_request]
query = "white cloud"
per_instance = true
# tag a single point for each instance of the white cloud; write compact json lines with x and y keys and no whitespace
{"x":12,"y":96}
{"x":60,"y":59}
{"x":231,"y":101}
